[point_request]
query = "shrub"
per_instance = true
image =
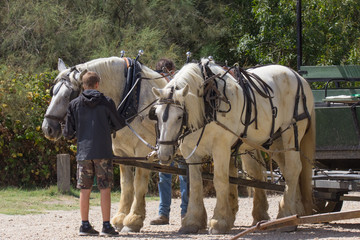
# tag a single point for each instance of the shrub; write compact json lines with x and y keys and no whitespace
{"x":27,"y":157}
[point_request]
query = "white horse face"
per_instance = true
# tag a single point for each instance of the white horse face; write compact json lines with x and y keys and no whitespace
{"x":62,"y":93}
{"x":170,"y":116}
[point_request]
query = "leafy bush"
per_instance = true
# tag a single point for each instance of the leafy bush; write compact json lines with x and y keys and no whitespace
{"x":27,"y":158}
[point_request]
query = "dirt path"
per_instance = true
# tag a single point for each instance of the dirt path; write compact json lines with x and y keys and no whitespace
{"x":65,"y":224}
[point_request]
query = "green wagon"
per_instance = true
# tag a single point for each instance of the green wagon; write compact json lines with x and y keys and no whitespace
{"x":337,"y":110}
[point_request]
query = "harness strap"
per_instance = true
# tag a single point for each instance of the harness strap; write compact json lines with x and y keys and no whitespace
{"x":212,"y":95}
{"x":296,"y":116}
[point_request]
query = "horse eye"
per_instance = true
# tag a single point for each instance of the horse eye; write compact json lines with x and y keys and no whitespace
{"x":180,"y":117}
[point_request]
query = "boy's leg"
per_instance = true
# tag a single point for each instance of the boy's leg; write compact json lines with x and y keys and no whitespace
{"x":85,"y":180}
{"x":105,"y":195}
{"x":104,"y":174}
{"x":85,"y":177}
{"x":84,"y":204}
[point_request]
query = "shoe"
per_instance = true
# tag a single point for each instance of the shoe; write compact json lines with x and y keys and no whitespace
{"x":109,"y":232}
{"x":90,"y":231}
{"x":160,"y":220}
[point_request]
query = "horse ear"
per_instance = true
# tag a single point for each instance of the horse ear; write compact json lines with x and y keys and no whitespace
{"x":156,"y":92}
{"x":61,"y":65}
{"x":82,"y":74}
{"x":185,"y":90}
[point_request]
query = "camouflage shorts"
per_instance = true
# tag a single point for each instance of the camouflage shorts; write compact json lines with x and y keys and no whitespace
{"x":87,"y":169}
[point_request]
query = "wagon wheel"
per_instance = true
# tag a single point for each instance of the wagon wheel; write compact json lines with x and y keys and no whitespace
{"x":326,"y":206}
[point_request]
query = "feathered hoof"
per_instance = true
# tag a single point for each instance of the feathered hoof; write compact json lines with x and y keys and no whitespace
{"x":218,"y":226}
{"x":129,"y":229}
{"x":216,"y":231}
{"x":189,"y":229}
{"x":132,"y":223}
{"x":117,"y":221}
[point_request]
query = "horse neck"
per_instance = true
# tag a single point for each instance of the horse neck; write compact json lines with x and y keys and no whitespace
{"x":111,"y":71}
{"x":194,"y":104}
{"x":113,"y":79}
{"x":156,"y":79}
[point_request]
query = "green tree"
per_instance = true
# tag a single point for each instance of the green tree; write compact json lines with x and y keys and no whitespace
{"x":331,"y":32}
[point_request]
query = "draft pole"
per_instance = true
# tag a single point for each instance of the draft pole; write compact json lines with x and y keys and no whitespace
{"x":299,"y":34}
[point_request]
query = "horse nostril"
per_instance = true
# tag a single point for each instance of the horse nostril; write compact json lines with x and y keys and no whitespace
{"x":49,"y":130}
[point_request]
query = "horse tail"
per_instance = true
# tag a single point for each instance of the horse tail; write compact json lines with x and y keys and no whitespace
{"x":307,"y":155}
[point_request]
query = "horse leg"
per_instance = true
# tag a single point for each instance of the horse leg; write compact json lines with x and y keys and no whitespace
{"x":195,"y":218}
{"x":290,"y":166}
{"x":307,"y":147}
{"x":257,"y":171}
{"x":126,"y":197}
{"x":133,"y":222}
{"x":223,"y":219}
{"x":233,"y":194}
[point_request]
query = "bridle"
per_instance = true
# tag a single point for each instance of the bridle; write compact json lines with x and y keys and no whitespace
{"x":74,"y":93}
{"x":184,"y":130}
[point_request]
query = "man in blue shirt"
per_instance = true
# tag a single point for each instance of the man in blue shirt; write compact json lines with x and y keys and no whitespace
{"x":166,"y":67}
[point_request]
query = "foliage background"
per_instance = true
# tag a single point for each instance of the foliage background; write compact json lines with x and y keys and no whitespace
{"x":35,"y":33}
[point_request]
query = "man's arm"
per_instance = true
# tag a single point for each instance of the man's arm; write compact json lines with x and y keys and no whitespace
{"x":69,"y":130}
{"x":116,"y":121}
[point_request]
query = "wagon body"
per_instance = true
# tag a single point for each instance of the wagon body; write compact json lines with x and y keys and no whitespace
{"x":337,"y":116}
{"x":337,"y":158}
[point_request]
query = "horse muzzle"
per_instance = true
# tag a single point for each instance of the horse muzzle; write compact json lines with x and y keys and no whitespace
{"x":165,"y":155}
{"x":51,"y":129}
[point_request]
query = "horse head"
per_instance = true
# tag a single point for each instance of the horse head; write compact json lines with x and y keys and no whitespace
{"x":67,"y":87}
{"x":171,"y":116}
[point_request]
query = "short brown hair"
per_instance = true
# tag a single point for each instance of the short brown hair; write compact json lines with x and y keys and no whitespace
{"x":90,"y":79}
{"x":165,"y":63}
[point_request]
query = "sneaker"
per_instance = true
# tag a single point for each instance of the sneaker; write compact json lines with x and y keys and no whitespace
{"x":109,"y":232}
{"x":90,"y":231}
{"x":160,"y":220}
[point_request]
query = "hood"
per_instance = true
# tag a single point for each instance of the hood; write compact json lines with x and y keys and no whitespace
{"x":91,"y":97}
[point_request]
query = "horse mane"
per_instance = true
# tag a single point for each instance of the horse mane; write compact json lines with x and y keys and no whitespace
{"x":190,"y":74}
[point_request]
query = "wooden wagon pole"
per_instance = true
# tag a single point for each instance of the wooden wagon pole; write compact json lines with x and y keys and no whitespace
{"x":140,"y":162}
{"x":295,"y":220}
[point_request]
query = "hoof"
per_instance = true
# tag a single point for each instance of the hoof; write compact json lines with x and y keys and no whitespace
{"x":216,"y":231}
{"x":218,"y":226}
{"x":188,"y":229}
{"x":127,"y":229}
{"x":117,"y":222}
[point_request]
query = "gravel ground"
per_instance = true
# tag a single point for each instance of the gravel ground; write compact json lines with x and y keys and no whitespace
{"x":65,"y":224}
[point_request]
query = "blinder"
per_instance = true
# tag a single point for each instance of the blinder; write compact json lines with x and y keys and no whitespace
{"x":183,"y":129}
{"x":74,"y":93}
{"x":152,"y":114}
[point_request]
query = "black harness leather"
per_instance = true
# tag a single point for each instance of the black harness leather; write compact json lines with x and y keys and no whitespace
{"x":250,"y":83}
{"x":130,"y":101}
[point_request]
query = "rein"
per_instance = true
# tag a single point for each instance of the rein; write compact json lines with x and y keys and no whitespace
{"x":184,"y":130}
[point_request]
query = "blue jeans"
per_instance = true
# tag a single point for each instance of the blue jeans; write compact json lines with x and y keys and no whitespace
{"x":165,"y":193}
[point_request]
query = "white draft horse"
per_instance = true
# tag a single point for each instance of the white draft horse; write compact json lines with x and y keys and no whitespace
{"x":290,"y":113}
{"x":131,"y":212}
